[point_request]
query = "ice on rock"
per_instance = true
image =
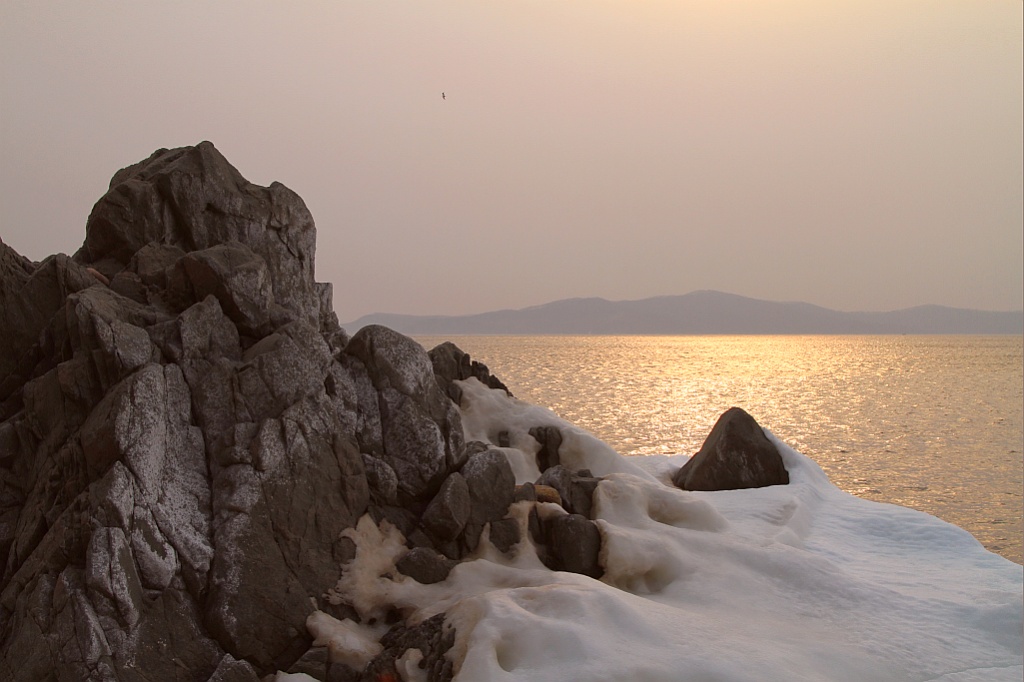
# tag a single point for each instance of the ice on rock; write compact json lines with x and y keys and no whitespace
{"x":789,"y":582}
{"x":487,"y":412}
{"x":408,"y":665}
{"x":347,"y":642}
{"x":364,"y":582}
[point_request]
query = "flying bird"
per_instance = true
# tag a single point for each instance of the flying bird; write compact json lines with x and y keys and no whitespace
{"x":442,"y":96}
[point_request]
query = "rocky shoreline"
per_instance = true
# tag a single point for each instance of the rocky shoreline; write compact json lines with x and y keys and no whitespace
{"x":191,"y":447}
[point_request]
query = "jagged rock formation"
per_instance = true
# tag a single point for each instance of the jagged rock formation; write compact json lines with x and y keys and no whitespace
{"x":736,"y":454}
{"x":186,"y":436}
{"x":452,"y":364}
{"x":185,"y":432}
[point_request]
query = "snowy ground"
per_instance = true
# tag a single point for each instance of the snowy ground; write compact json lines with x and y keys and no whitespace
{"x":795,"y":582}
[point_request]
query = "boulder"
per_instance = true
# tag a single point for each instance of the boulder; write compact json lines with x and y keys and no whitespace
{"x":558,"y":478}
{"x":193,"y":199}
{"x":492,"y":488}
{"x":545,"y":493}
{"x":504,"y":534}
{"x":421,"y":430}
{"x":525,"y":493}
{"x":425,"y":565}
{"x":449,"y":511}
{"x":422,"y":647}
{"x":452,"y":364}
{"x":573,"y":544}
{"x":550,"y":439}
{"x":575,"y":490}
{"x":736,"y":454}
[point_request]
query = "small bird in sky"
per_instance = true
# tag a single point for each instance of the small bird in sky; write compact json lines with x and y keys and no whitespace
{"x":442,"y":96}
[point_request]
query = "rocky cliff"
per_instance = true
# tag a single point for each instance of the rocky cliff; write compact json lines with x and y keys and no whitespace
{"x":188,"y":442}
{"x":186,"y":432}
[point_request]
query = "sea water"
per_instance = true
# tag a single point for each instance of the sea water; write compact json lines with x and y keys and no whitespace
{"x":928,"y":422}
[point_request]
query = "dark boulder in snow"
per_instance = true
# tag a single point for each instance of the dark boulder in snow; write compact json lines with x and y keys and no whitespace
{"x":425,"y":565}
{"x":492,"y":488}
{"x":736,"y":454}
{"x":421,"y":648}
{"x":573,"y":544}
{"x":452,"y":364}
{"x":576,"y":490}
{"x":550,"y":439}
{"x":504,"y":534}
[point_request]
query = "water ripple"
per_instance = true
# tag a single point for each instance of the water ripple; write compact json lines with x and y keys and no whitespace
{"x":929,"y":422}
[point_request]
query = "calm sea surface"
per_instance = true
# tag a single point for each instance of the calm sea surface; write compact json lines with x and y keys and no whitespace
{"x":929,"y":422}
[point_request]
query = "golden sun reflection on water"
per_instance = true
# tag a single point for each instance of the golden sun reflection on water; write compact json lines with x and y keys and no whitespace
{"x":928,"y":422}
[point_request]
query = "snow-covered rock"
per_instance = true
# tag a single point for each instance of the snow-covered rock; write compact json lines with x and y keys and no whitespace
{"x":203,"y":478}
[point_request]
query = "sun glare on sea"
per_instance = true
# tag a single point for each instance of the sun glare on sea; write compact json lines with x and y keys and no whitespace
{"x":929,"y":422}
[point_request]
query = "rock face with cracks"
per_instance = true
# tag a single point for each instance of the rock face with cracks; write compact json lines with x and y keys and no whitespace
{"x":185,"y":432}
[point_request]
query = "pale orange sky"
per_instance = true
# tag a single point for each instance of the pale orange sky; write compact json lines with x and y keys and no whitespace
{"x":859,"y":155}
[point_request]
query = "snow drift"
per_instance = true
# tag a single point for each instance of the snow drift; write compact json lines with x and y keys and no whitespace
{"x":793,"y":582}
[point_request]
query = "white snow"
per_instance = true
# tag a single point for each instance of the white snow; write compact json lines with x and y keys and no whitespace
{"x":347,"y":642}
{"x":377,"y":550}
{"x":293,"y":677}
{"x":408,"y":666}
{"x":794,"y":582}
{"x":486,"y":412}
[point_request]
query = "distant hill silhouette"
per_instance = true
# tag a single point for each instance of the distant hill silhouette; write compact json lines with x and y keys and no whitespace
{"x":701,"y":312}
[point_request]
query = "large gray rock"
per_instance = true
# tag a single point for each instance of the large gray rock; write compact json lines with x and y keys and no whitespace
{"x":421,"y":429}
{"x":492,"y":488}
{"x":736,"y":454}
{"x":573,"y":544}
{"x":180,"y":449}
{"x":192,"y":198}
{"x":449,"y":511}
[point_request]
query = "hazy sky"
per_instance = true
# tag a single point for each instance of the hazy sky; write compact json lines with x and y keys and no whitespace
{"x":861,"y":155}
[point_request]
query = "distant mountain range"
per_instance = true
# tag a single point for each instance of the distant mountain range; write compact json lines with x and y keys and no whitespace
{"x":701,"y":312}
